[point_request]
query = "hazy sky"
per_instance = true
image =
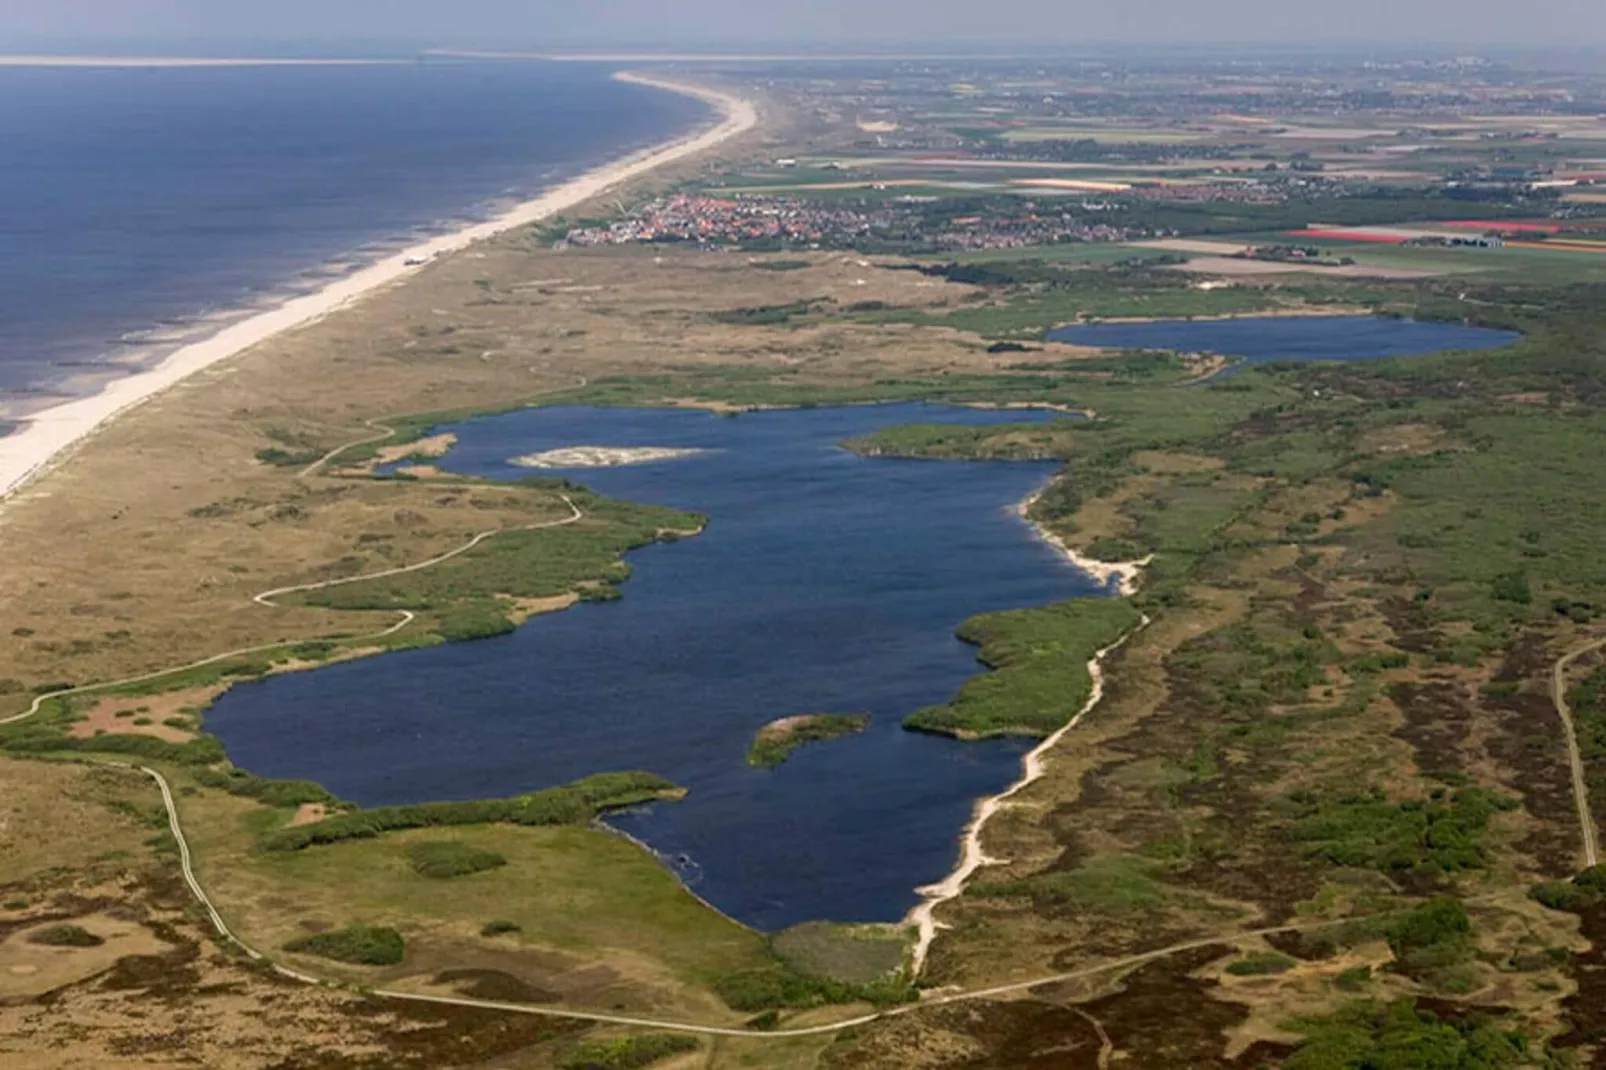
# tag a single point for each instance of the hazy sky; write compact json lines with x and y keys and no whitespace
{"x":541,"y":23}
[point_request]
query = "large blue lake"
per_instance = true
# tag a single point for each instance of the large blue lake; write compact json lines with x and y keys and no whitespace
{"x":825,"y":582}
{"x":1263,"y":339}
{"x":137,"y":203}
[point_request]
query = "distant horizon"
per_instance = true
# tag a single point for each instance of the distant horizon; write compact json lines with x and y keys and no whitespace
{"x":223,"y":47}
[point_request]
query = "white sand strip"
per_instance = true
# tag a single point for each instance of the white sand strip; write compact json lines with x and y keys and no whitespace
{"x":971,"y":855}
{"x":47,"y":434}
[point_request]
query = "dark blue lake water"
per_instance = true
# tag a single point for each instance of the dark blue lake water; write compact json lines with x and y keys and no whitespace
{"x":135,"y":201}
{"x":1289,"y":338}
{"x":825,"y":582}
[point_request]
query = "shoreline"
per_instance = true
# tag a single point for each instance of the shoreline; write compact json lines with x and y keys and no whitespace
{"x":48,"y":435}
{"x":972,"y":856}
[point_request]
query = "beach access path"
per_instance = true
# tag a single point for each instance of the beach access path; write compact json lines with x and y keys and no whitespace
{"x":48,"y":435}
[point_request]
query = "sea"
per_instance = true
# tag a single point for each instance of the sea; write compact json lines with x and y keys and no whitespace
{"x":141,"y":208}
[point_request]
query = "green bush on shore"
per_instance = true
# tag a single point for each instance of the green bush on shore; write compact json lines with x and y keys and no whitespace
{"x":627,"y":1053}
{"x":275,"y":793}
{"x":359,"y":945}
{"x":568,"y":804}
{"x":1041,"y":679}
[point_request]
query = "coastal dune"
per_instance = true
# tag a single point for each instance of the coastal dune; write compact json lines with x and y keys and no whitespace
{"x":49,"y":434}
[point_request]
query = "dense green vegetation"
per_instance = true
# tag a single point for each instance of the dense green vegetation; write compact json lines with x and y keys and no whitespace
{"x":569,"y":804}
{"x":782,"y":987}
{"x":1040,"y":678}
{"x":858,"y":954}
{"x":444,"y":859}
{"x":1586,"y":890}
{"x":1261,"y":965}
{"x":277,"y":793}
{"x":467,"y":593}
{"x":1429,"y":837}
{"x":1370,"y":1036}
{"x":627,"y":1053}
{"x":775,"y":742}
{"x":359,"y":945}
{"x":1108,"y":885}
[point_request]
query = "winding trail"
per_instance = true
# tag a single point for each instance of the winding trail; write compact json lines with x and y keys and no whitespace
{"x":1012,"y":988}
{"x":1575,"y":756}
{"x":266,"y":598}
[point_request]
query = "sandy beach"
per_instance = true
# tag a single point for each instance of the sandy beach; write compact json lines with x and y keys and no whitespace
{"x":972,"y":857}
{"x":48,"y":434}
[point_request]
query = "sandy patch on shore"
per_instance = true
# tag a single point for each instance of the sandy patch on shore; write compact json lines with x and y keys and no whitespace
{"x":309,"y":814}
{"x":525,"y":608}
{"x":103,"y":717}
{"x":432,"y":447}
{"x":601,"y":456}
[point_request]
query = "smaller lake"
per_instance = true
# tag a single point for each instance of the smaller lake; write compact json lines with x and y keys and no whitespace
{"x":825,"y":583}
{"x":1266,"y":339}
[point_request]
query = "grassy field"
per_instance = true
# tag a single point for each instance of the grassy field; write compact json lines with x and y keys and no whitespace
{"x":1335,"y":723}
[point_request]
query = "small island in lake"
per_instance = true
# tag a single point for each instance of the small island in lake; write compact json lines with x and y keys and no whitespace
{"x":777,"y":740}
{"x":600,"y":456}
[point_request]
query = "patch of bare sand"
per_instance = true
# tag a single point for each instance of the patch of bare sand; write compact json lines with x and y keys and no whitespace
{"x":145,"y":716}
{"x":433,"y":446}
{"x":28,"y":969}
{"x":525,"y":608}
{"x":309,"y":814}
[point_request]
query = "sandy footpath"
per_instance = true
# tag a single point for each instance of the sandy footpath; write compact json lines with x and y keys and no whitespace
{"x":47,"y":434}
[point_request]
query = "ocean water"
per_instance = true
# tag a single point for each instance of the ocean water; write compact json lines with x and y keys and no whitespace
{"x":136,"y":205}
{"x":1265,"y":339}
{"x":825,"y":582}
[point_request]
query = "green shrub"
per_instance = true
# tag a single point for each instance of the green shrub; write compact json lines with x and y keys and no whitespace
{"x":1582,"y":892}
{"x":360,"y":945}
{"x":275,"y":793}
{"x":1398,"y":1035}
{"x":1437,"y":835}
{"x":627,"y":1053}
{"x":570,"y":804}
{"x":774,"y":987}
{"x":773,"y":745}
{"x":1270,"y":962}
{"x":1040,"y":678}
{"x":444,"y":859}
{"x":1354,"y":979}
{"x":1434,"y":935}
{"x":65,"y":936}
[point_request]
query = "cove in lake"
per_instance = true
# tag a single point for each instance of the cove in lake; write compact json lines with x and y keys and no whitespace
{"x":1264,"y":339}
{"x":825,"y":582}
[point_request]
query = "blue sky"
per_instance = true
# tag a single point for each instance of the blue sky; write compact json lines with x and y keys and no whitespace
{"x":551,"y":23}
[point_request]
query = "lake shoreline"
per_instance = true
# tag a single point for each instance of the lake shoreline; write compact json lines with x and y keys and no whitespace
{"x":1123,"y":577}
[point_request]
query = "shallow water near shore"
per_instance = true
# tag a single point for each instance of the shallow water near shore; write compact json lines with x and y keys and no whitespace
{"x":825,"y":582}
